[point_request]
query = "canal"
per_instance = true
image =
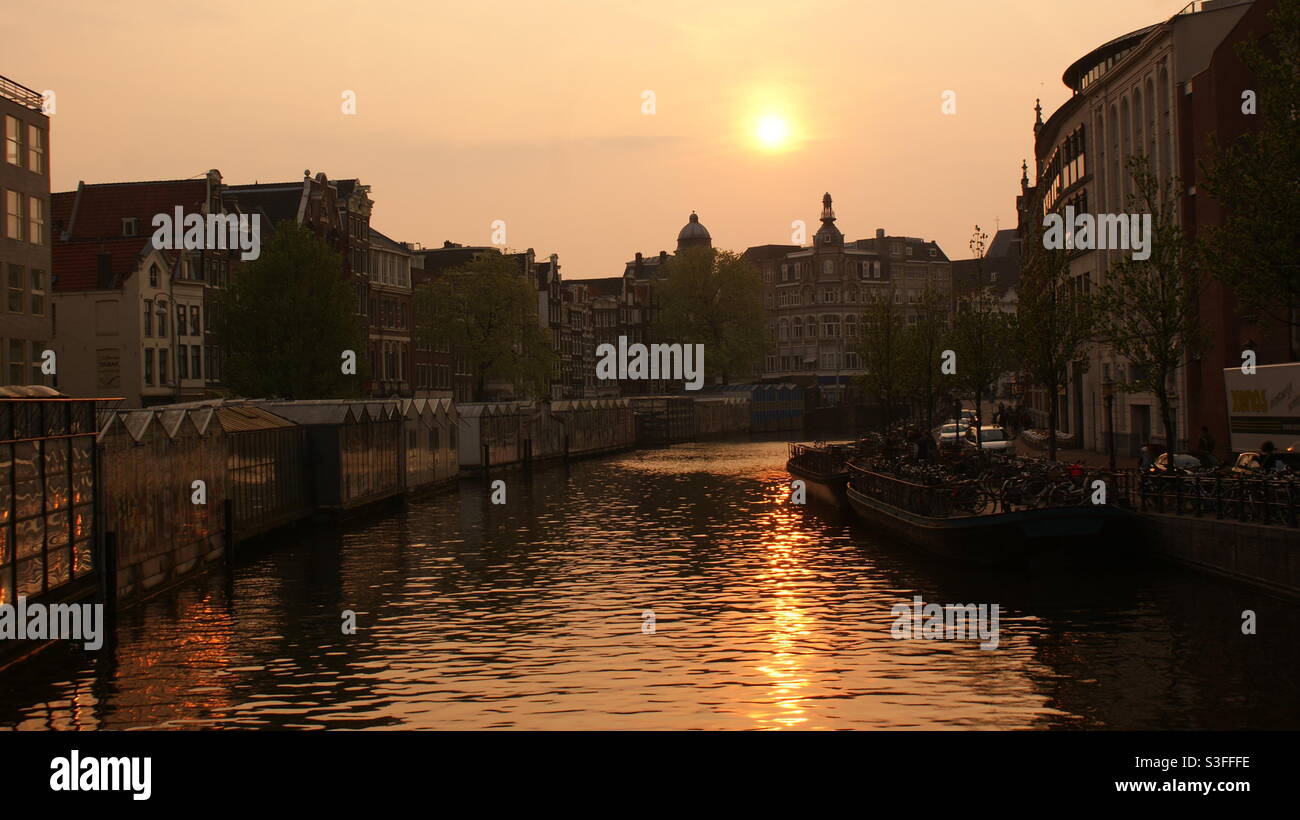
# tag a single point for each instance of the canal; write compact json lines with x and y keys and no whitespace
{"x":533,"y":614}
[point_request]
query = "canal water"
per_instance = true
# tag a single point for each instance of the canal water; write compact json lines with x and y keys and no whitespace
{"x":533,"y":614}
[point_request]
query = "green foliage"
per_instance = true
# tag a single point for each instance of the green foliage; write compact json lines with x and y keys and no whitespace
{"x":1147,"y":309}
{"x":884,"y":352}
{"x":286,"y":318}
{"x":488,"y":311}
{"x":924,"y":342}
{"x":1056,"y":317}
{"x":1256,"y":180}
{"x":714,"y":298}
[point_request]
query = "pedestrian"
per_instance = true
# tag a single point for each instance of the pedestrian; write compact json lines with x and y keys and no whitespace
{"x":1206,"y":442}
{"x":1267,"y":457}
{"x":1148,"y":458}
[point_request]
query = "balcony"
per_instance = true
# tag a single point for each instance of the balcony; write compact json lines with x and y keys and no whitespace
{"x":21,"y":94}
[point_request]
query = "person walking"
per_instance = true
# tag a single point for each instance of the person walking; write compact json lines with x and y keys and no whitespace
{"x":1148,"y":459}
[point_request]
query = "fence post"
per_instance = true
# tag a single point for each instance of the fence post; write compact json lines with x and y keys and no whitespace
{"x":228,"y":513}
{"x":108,"y":578}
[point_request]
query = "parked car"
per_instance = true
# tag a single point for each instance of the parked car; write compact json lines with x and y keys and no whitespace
{"x":948,"y":436}
{"x":1247,"y":463}
{"x":990,"y":438}
{"x":1185,"y":462}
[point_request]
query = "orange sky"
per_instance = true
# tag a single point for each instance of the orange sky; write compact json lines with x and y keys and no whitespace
{"x":531,"y":112}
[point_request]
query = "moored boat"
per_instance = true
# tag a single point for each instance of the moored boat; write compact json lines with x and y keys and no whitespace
{"x":823,"y":469}
{"x":961,"y":521}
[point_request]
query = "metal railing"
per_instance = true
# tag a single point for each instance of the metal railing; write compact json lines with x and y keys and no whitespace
{"x":1248,"y":499}
{"x":21,"y":94}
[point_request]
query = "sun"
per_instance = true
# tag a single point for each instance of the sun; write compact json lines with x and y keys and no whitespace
{"x":772,"y":131}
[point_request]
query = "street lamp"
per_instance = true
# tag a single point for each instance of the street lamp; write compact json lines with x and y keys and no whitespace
{"x":1108,"y":394}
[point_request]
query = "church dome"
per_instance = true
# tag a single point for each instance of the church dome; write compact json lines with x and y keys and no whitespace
{"x":694,"y":235}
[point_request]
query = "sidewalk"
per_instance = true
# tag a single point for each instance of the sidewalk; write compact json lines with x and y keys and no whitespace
{"x":1085,"y":457}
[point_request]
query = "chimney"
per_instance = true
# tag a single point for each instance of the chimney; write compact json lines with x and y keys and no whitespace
{"x":663,"y":257}
{"x":104,"y":268}
{"x":880,"y":233}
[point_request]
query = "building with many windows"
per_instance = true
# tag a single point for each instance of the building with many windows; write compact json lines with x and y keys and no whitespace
{"x":129,"y":319}
{"x":1131,"y":95}
{"x":391,"y":318}
{"x":815,"y":297}
{"x":26,"y":327}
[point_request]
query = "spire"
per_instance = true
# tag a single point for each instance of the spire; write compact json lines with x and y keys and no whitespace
{"x":1038,"y":114}
{"x":828,"y":213}
{"x":828,"y":234}
{"x":1024,"y":176}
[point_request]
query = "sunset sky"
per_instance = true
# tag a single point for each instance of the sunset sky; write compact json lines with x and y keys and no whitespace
{"x":532,"y":112}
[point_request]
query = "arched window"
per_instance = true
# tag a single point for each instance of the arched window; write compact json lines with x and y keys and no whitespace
{"x":797,"y":326}
{"x":784,"y":330}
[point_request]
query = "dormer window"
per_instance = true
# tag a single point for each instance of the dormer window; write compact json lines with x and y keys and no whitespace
{"x":130,"y":226}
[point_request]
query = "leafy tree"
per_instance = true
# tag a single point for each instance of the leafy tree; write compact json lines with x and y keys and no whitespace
{"x":1056,"y":319}
{"x":286,"y":318}
{"x":983,"y":337}
{"x":1147,"y":308}
{"x":883,"y":349}
{"x":488,"y":311}
{"x":924,"y":342}
{"x":715,"y":298}
{"x":1256,"y":180}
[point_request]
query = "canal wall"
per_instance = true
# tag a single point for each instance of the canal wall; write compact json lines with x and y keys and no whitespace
{"x":151,"y":506}
{"x":1266,"y":556}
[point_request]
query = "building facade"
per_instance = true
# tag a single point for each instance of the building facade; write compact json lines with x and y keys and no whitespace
{"x":1130,"y":96}
{"x":25,"y":258}
{"x":132,"y":320}
{"x":815,"y":297}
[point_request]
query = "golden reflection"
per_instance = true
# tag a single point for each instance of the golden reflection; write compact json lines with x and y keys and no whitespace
{"x":785,"y":539}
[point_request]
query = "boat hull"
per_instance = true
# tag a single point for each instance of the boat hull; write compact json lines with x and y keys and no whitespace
{"x":1001,"y":538}
{"x":828,"y":489}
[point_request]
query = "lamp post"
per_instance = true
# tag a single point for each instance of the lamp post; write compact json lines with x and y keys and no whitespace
{"x":1108,"y":394}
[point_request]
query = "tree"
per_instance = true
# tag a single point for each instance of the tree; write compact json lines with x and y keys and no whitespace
{"x":1256,"y":180}
{"x":286,"y":319}
{"x":983,"y":337}
{"x":488,"y":311}
{"x":925,"y":340}
{"x":715,"y":298}
{"x":1147,"y":308}
{"x":1056,"y":319}
{"x":882,"y":348}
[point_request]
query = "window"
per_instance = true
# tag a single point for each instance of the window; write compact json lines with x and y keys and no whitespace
{"x":14,"y":214}
{"x":131,"y":227}
{"x":13,"y":142}
{"x":162,"y":323}
{"x":148,"y":317}
{"x":933,"y":253}
{"x":15,"y":361}
{"x":36,"y":220}
{"x":148,"y":366}
{"x":195,"y":329}
{"x":162,"y":367}
{"x":38,"y":292}
{"x":196,"y":361}
{"x":38,"y":349}
{"x":153,"y":274}
{"x":182,"y":362}
{"x":909,"y":250}
{"x":15,"y":290}
{"x":180,"y":325}
{"x":35,"y":149}
{"x":828,"y":267}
